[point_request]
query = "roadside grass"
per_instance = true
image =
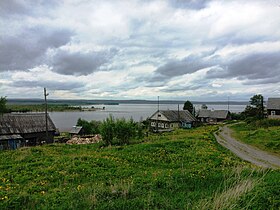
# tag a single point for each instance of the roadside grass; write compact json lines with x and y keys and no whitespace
{"x":184,"y":169}
{"x":267,"y":139}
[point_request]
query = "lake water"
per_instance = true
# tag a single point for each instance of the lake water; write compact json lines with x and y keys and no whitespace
{"x":64,"y":121}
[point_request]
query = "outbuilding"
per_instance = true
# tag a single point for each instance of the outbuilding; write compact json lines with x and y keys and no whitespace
{"x":18,"y":130}
{"x":215,"y":116}
{"x":77,"y":130}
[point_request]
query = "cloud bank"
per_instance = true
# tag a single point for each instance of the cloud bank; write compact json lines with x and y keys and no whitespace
{"x":197,"y":49}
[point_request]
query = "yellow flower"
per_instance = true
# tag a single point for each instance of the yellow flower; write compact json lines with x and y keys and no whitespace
{"x":79,"y":187}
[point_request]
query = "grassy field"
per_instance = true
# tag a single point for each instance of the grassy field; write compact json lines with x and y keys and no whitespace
{"x":264,"y":138}
{"x":185,"y":169}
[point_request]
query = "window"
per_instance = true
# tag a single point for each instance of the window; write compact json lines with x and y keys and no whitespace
{"x":166,"y":125}
{"x":159,"y":115}
{"x":273,"y":113}
{"x":153,"y":124}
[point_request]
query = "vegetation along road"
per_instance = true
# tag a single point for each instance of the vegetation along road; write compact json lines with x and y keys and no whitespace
{"x":244,"y":151}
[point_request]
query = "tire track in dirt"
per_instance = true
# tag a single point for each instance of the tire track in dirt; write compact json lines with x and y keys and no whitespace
{"x":245,"y":151}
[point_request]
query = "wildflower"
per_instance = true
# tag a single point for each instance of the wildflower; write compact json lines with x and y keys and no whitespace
{"x":79,"y":187}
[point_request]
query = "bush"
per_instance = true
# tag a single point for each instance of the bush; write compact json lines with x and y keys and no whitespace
{"x":107,"y":130}
{"x":89,"y":127}
{"x":113,"y":131}
{"x":120,"y":131}
{"x":237,"y":116}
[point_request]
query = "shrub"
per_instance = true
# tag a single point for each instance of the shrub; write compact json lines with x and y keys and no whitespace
{"x":120,"y":131}
{"x":107,"y":128}
{"x":237,"y":116}
{"x":113,"y":131}
{"x":91,"y":127}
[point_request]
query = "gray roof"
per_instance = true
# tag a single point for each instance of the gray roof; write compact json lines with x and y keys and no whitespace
{"x":24,"y":123}
{"x":8,"y":137}
{"x":273,"y":103}
{"x":218,"y":114}
{"x":204,"y":113}
{"x":76,"y":129}
{"x":175,"y":115}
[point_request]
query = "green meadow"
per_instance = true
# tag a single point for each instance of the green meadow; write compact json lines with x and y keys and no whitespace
{"x":184,"y":169}
{"x":264,"y":137}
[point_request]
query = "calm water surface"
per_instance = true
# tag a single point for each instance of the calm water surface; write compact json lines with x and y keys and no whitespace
{"x":65,"y":120}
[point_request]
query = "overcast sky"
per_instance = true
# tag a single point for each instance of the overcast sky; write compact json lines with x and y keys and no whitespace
{"x":140,"y":49}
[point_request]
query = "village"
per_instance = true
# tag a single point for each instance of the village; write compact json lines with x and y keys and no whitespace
{"x":33,"y":129}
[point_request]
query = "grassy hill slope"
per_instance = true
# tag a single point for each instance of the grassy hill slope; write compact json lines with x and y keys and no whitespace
{"x":265,"y":138}
{"x":185,"y":169}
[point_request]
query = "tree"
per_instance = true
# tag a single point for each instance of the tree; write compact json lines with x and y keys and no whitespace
{"x":3,"y":108}
{"x":188,"y":106}
{"x":204,"y":106}
{"x":257,"y":101}
{"x":256,"y":108}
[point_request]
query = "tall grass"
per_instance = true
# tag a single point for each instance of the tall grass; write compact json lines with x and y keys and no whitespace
{"x":263,"y":134}
{"x":177,"y":170}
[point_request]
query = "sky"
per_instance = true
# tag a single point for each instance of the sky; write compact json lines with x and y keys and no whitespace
{"x":140,"y":49}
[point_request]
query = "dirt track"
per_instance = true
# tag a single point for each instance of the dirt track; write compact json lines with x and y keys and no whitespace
{"x":246,"y":152}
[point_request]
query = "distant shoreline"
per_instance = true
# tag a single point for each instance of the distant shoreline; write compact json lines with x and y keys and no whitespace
{"x":116,"y":102}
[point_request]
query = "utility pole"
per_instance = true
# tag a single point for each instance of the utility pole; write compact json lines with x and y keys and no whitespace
{"x":157,"y":112}
{"x":46,"y":114}
{"x":262,"y":107}
{"x":228,"y":103}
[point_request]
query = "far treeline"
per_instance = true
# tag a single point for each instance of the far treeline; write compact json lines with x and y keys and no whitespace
{"x":8,"y":108}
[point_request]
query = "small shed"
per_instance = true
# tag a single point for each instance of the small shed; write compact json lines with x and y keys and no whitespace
{"x":25,"y":130}
{"x":77,"y":130}
{"x":215,"y":116}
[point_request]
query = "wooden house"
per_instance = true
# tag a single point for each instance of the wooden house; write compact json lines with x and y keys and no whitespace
{"x":18,"y":130}
{"x":273,"y":108}
{"x":216,"y":116}
{"x":167,"y":120}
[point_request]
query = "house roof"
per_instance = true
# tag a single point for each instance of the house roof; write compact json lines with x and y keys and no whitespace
{"x":24,"y":123}
{"x":8,"y":137}
{"x":218,"y":114}
{"x":273,"y":103}
{"x":175,"y":116}
{"x":76,"y":129}
{"x":204,"y":113}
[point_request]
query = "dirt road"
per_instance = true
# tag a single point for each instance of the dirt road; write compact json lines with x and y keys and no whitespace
{"x":246,"y":152}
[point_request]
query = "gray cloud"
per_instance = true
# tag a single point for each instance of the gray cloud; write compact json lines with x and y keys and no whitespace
{"x":183,"y":88}
{"x":10,"y":8}
{"x":28,"y":49}
{"x":51,"y":85}
{"x":191,"y":4}
{"x":187,"y":65}
{"x":263,"y":67}
{"x":80,"y":63}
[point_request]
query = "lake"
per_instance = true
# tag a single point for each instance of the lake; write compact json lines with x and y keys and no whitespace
{"x":64,"y":121}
